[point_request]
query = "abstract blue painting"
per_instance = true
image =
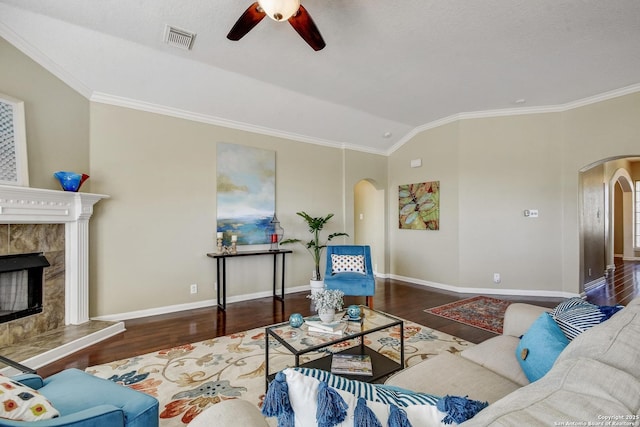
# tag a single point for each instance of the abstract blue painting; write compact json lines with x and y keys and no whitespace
{"x":246,"y":192}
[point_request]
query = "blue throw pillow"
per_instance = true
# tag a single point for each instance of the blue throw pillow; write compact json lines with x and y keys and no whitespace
{"x":540,"y":346}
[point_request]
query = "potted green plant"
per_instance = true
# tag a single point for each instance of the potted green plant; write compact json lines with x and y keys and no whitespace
{"x":314,"y":246}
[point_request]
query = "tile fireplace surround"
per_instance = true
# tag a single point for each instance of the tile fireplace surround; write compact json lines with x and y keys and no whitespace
{"x":56,"y":223}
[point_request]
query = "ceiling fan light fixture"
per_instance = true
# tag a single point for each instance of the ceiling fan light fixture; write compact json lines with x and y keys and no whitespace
{"x":279,"y":10}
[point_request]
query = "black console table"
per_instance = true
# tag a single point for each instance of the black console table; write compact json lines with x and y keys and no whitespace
{"x":221,"y":264}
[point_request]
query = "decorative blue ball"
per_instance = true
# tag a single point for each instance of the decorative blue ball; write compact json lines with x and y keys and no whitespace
{"x":353,"y":311}
{"x":296,"y":320}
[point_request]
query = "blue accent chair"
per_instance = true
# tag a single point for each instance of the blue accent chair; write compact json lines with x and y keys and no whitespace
{"x":84,"y":400}
{"x":349,"y":282}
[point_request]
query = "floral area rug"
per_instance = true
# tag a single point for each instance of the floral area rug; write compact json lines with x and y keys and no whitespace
{"x":189,"y":378}
{"x":482,"y":312}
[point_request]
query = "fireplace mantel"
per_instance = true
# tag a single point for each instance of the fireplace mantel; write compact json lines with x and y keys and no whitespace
{"x":25,"y":205}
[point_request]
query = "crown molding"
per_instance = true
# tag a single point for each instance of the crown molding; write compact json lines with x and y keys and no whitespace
{"x":99,"y":97}
{"x":218,"y":121}
{"x":515,"y":112}
{"x":43,"y":60}
{"x":104,"y":98}
{"x":505,"y":112}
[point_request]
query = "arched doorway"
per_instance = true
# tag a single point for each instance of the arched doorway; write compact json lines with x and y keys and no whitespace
{"x":621,"y":224}
{"x":369,"y":221}
{"x":606,"y":194}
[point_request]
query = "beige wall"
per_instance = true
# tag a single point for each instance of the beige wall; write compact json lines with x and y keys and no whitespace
{"x":146,"y":250}
{"x":57,"y":118}
{"x":370,"y":222}
{"x":605,"y":130}
{"x":428,"y":256}
{"x":492,"y":169}
{"x":508,"y":165}
{"x":151,"y":237}
{"x":372,"y":169}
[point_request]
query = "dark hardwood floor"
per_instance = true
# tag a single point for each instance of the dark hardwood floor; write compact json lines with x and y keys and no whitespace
{"x":401,"y":299}
{"x":619,"y":288}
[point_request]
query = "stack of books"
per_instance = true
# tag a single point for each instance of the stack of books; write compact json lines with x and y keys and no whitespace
{"x":351,"y":364}
{"x":334,"y":328}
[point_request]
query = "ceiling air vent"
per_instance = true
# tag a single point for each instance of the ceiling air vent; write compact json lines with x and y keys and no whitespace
{"x":179,"y":38}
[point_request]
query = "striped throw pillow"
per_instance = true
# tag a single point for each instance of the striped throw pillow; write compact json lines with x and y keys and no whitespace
{"x":576,"y":315}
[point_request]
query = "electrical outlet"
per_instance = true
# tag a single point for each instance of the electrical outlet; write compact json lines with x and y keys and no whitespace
{"x":496,"y":278}
{"x":194,"y":288}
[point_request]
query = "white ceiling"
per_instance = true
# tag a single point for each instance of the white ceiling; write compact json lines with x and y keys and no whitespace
{"x":389,"y":66}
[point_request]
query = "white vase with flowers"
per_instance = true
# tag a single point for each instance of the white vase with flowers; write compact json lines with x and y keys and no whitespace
{"x":327,"y":302}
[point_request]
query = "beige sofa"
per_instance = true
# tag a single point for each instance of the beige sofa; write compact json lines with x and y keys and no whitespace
{"x":595,"y":379}
{"x":486,"y":372}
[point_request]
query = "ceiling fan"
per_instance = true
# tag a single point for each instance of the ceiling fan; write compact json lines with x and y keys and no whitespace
{"x":279,"y":10}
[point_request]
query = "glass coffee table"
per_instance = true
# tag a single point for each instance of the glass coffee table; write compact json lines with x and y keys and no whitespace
{"x":315,"y":349}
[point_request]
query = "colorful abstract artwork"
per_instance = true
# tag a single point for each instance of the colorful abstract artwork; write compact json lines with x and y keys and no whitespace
{"x":419,"y":206}
{"x":246,"y":191}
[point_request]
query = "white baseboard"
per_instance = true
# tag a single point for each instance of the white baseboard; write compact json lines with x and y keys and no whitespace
{"x":594,"y":284}
{"x":212,"y":302}
{"x":488,"y":291}
{"x":64,"y":350}
{"x":192,"y":305}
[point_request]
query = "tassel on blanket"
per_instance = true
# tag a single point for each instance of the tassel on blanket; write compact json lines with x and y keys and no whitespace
{"x":363,"y":416}
{"x":459,"y":409}
{"x":287,"y":419}
{"x":276,"y":402}
{"x":397,"y":417}
{"x":332,"y":409}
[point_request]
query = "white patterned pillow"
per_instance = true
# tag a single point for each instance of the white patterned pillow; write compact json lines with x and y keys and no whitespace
{"x":347,"y":264}
{"x":21,"y":403}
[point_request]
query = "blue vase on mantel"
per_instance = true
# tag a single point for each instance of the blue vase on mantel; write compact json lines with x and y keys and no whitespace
{"x":70,"y":181}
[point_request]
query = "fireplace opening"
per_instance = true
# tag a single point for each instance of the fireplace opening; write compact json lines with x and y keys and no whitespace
{"x":21,"y":283}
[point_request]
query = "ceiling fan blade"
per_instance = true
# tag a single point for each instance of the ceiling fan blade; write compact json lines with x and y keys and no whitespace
{"x":307,"y":29}
{"x":246,"y":22}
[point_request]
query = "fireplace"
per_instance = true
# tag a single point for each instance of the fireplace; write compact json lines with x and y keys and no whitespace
{"x":59,"y":222}
{"x":21,"y":285}
{"x":55,"y":224}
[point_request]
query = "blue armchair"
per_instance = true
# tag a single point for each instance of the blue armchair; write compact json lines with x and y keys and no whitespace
{"x":351,"y":282}
{"x":84,"y":400}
